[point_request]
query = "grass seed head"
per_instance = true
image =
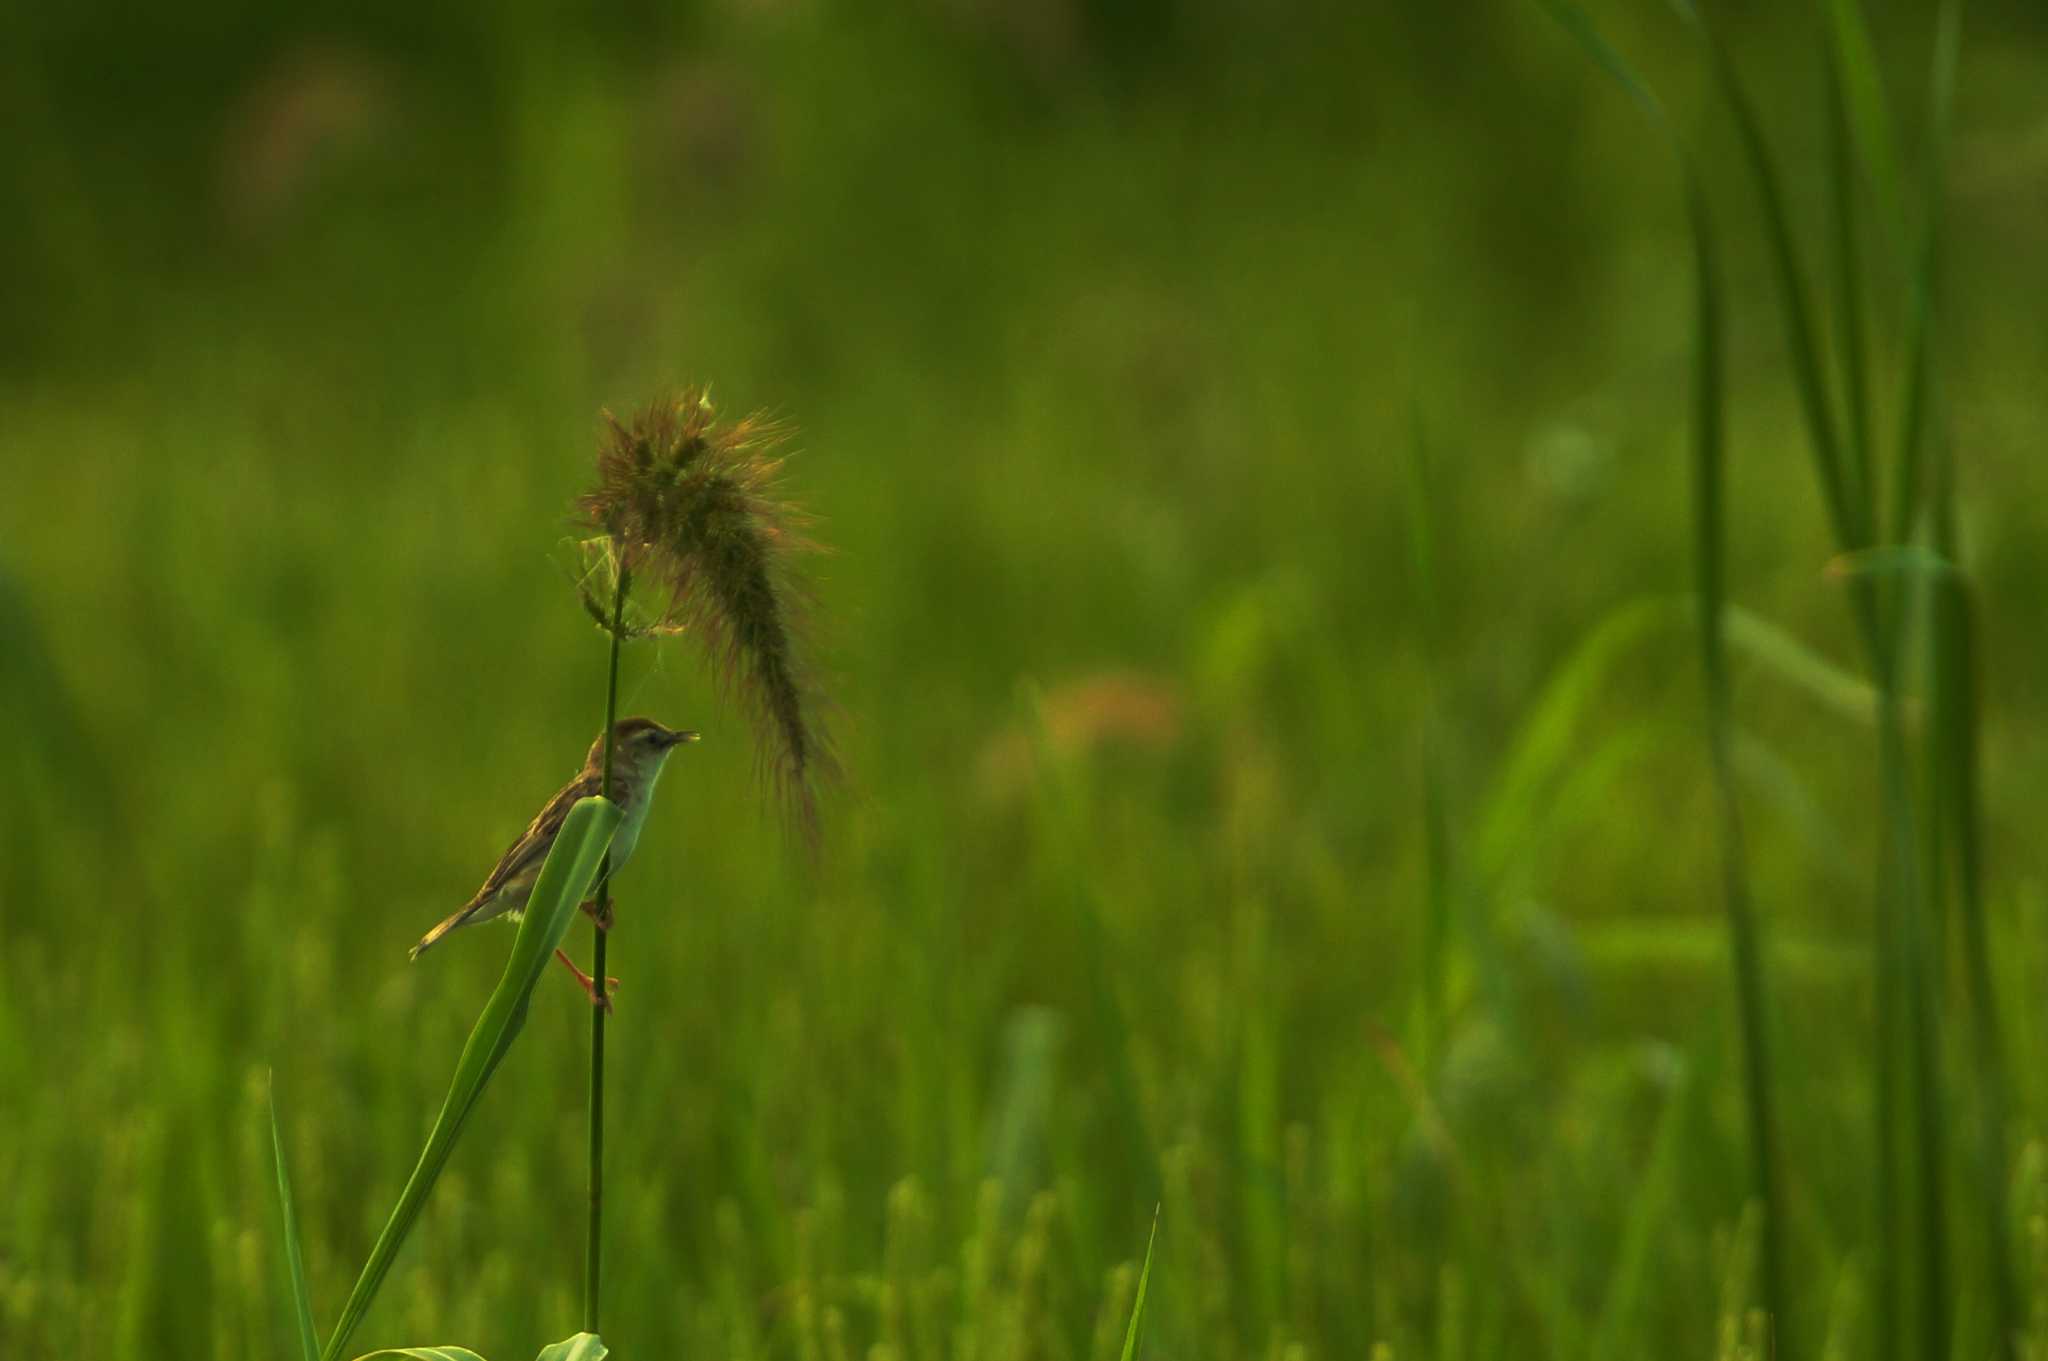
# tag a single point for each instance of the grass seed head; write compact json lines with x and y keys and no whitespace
{"x":694,"y":508}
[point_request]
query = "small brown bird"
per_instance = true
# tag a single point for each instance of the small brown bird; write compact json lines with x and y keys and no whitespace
{"x":640,"y":747}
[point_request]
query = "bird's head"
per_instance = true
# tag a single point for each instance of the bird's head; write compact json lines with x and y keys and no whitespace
{"x":640,"y":744}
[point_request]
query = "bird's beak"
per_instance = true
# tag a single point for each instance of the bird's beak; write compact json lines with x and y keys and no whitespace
{"x":676,"y":739}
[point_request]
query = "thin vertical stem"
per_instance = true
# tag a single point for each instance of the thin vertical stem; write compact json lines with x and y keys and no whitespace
{"x":593,"y":1243}
{"x":1954,"y":758}
{"x":1745,"y":945}
{"x":1436,"y":917}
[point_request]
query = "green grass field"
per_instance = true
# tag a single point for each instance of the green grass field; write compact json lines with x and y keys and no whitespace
{"x":1261,"y":631}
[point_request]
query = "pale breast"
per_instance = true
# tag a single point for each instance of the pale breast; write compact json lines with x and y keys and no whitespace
{"x":634,"y":799}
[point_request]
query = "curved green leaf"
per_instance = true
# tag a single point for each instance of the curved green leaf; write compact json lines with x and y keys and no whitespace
{"x":582,"y":1347}
{"x":571,"y":865}
{"x":1793,"y":662}
{"x":425,"y":1354}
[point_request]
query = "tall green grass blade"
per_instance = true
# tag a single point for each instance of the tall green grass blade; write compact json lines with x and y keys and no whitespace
{"x":1802,"y":338}
{"x":302,"y":1299}
{"x":1906,"y":1005}
{"x":582,"y":1347}
{"x":1952,"y":824}
{"x":1913,"y":947}
{"x":1709,"y":461}
{"x":1437,"y":902}
{"x":571,"y":865}
{"x":1954,"y":731}
{"x":1138,"y":1303}
{"x":1918,"y":357}
{"x":1849,"y":321}
{"x":1583,"y":31}
{"x":1916,"y":894}
{"x":1745,"y":947}
{"x":1867,"y":116}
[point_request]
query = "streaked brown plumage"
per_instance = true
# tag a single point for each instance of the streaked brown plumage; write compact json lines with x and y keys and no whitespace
{"x":640,"y":747}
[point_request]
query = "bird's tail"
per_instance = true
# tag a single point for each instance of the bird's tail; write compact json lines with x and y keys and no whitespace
{"x":427,"y":941}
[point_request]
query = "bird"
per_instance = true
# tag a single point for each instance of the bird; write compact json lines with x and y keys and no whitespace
{"x":640,"y":748}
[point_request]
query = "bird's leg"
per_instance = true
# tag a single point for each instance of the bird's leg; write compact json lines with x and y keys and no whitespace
{"x":589,"y":984}
{"x":601,"y":917}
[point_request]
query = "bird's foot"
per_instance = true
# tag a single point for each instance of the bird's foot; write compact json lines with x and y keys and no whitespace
{"x":601,"y":917}
{"x":589,"y":984}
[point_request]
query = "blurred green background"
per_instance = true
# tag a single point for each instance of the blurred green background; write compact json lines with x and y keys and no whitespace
{"x":1112,"y":332}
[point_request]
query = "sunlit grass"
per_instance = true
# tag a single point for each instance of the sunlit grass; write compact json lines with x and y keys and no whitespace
{"x":1194,"y":856}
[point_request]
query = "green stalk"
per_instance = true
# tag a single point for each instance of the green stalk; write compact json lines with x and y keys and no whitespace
{"x":1956,"y":724}
{"x":1745,"y":947}
{"x":1849,"y":325}
{"x":565,"y":876}
{"x":1709,"y":462}
{"x":1906,"y":1004}
{"x":1909,"y":913}
{"x":1436,"y":923}
{"x":593,"y":1243}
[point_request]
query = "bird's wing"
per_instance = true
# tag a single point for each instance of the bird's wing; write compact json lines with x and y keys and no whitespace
{"x":522,"y":856}
{"x":539,"y":838}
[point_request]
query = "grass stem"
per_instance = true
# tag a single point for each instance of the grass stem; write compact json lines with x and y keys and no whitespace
{"x":593,"y":1243}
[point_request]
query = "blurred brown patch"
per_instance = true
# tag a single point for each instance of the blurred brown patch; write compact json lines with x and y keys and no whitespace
{"x":700,"y":129}
{"x":1109,"y":709}
{"x":315,"y":106}
{"x":1044,"y":39}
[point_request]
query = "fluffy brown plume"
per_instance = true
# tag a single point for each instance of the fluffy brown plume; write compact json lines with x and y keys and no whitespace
{"x":692,"y":506}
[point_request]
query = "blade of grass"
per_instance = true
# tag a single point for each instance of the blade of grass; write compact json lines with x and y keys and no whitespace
{"x":1954,"y":731}
{"x":1436,"y":918}
{"x":1849,"y":320}
{"x":424,"y":1354}
{"x":1907,"y":944}
{"x":571,"y":865}
{"x":1904,"y":886}
{"x":302,"y":1300}
{"x":1138,"y":1302}
{"x":1745,"y":947}
{"x":1918,"y":356}
{"x":1708,"y":463}
{"x":1869,"y":118}
{"x":1907,"y":1013}
{"x":1809,"y":375}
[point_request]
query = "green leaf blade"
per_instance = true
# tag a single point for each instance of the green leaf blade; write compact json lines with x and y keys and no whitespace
{"x":1138,"y":1304}
{"x":570,"y":867}
{"x":302,"y":1300}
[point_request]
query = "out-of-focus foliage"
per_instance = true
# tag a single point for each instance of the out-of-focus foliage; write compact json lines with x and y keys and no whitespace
{"x":1106,"y":330}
